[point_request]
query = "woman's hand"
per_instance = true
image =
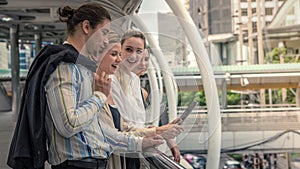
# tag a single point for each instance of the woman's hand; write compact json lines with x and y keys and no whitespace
{"x":176,"y":121}
{"x":174,"y":149}
{"x":169,"y":131}
{"x":102,"y":82}
{"x":152,"y":141}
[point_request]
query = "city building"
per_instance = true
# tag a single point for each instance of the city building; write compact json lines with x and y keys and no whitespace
{"x":238,"y":41}
{"x":3,"y":55}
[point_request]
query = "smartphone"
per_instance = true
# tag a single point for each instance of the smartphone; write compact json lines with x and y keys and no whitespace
{"x":187,"y":111}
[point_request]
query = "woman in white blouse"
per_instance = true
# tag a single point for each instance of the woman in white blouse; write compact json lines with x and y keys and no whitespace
{"x":126,"y":91}
{"x":126,"y":84}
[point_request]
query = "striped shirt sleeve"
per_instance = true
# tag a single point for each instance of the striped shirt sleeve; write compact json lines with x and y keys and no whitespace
{"x":120,"y":140}
{"x":63,"y":92}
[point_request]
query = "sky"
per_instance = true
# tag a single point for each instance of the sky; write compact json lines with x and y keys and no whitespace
{"x":154,"y":6}
{"x":148,"y":12}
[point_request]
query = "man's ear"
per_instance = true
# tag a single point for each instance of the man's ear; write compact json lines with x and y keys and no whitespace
{"x":85,"y":25}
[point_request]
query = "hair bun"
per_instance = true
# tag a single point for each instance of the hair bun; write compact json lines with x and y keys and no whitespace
{"x":66,"y":13}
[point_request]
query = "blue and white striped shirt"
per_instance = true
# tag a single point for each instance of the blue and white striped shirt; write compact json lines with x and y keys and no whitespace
{"x":73,"y":125}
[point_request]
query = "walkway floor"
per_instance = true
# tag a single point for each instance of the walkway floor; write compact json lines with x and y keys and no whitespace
{"x":7,"y":124}
{"x":6,"y":129}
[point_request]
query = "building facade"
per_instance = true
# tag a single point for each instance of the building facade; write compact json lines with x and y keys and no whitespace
{"x":234,"y":30}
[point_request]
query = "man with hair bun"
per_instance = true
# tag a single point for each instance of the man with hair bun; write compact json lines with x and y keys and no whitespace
{"x":63,"y":97}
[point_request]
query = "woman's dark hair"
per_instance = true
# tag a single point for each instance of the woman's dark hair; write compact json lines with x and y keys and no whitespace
{"x":92,"y":11}
{"x":133,"y":33}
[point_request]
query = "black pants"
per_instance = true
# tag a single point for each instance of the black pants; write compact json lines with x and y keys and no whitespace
{"x":65,"y":167}
{"x":132,"y":163}
{"x":82,"y":164}
{"x":132,"y":160}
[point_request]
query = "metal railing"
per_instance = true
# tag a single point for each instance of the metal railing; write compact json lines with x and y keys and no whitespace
{"x":247,"y":118}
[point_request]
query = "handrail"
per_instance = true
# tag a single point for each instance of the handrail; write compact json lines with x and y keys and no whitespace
{"x":249,"y":110}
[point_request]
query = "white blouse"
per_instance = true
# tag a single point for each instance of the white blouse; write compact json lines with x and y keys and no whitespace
{"x":129,"y":103}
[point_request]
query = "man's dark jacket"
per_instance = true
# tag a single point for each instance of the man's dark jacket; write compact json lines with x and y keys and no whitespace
{"x":28,"y":147}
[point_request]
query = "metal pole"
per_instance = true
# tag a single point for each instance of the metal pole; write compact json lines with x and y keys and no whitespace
{"x":15,"y":68}
{"x":209,"y":83}
{"x":270,"y":98}
{"x":224,"y":94}
{"x":37,"y":39}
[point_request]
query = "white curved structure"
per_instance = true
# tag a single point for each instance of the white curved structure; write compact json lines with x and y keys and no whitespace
{"x":168,"y":78}
{"x":210,"y":88}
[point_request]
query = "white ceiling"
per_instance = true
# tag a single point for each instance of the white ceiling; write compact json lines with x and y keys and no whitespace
{"x":40,"y":16}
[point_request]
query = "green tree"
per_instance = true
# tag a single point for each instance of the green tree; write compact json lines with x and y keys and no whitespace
{"x":274,"y":55}
{"x":184,"y":98}
{"x":233,"y":98}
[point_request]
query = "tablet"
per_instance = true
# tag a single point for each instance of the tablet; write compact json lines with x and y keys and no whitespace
{"x":188,"y":111}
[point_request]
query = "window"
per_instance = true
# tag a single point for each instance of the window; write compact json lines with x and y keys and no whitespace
{"x":269,"y":11}
{"x":268,"y":23}
{"x":254,"y":26}
{"x":244,"y":12}
{"x":253,"y":10}
{"x":247,"y":1}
